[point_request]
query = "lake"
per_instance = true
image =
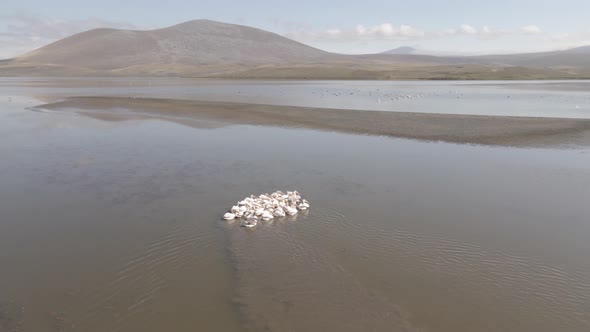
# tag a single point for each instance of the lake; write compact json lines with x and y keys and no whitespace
{"x":116,"y":225}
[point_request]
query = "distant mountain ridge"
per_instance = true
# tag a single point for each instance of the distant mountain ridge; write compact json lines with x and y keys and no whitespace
{"x":205,"y":48}
{"x":401,"y":50}
{"x":581,"y":49}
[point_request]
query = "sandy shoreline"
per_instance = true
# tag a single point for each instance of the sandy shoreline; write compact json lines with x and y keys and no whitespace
{"x":472,"y":129}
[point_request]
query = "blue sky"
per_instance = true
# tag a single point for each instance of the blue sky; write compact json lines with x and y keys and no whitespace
{"x":460,"y":26}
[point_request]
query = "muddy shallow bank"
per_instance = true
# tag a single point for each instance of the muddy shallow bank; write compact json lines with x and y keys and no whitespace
{"x":476,"y":129}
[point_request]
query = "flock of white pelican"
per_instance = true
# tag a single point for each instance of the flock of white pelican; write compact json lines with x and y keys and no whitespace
{"x":266,"y":207}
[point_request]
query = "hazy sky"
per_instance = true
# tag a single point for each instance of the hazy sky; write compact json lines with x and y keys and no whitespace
{"x":460,"y":26}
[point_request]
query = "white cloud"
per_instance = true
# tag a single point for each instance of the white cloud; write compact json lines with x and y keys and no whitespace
{"x":530,"y":29}
{"x":384,"y":31}
{"x":389,"y":31}
{"x":360,"y":29}
{"x":334,"y":32}
{"x":407,"y":30}
{"x":23,"y":32}
{"x":446,"y":32}
{"x":468,"y":29}
{"x":485,"y":32}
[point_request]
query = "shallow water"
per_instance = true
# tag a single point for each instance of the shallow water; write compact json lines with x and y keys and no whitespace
{"x":115,"y":226}
{"x":563,"y":99}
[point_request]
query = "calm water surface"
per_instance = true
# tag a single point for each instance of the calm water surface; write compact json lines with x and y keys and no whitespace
{"x":561,"y":99}
{"x":114,"y":226}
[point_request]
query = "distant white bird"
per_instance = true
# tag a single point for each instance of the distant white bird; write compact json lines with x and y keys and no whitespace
{"x":229,"y":216}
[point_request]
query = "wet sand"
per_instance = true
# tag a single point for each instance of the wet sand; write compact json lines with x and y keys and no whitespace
{"x":472,"y":129}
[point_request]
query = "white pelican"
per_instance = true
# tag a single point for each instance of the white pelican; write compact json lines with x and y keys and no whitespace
{"x":266,"y":215}
{"x":250,"y":223}
{"x":279,"y":212}
{"x":290,"y":210}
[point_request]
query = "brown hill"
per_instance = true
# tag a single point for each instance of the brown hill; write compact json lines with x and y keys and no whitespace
{"x":189,"y":43}
{"x":576,"y":57}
